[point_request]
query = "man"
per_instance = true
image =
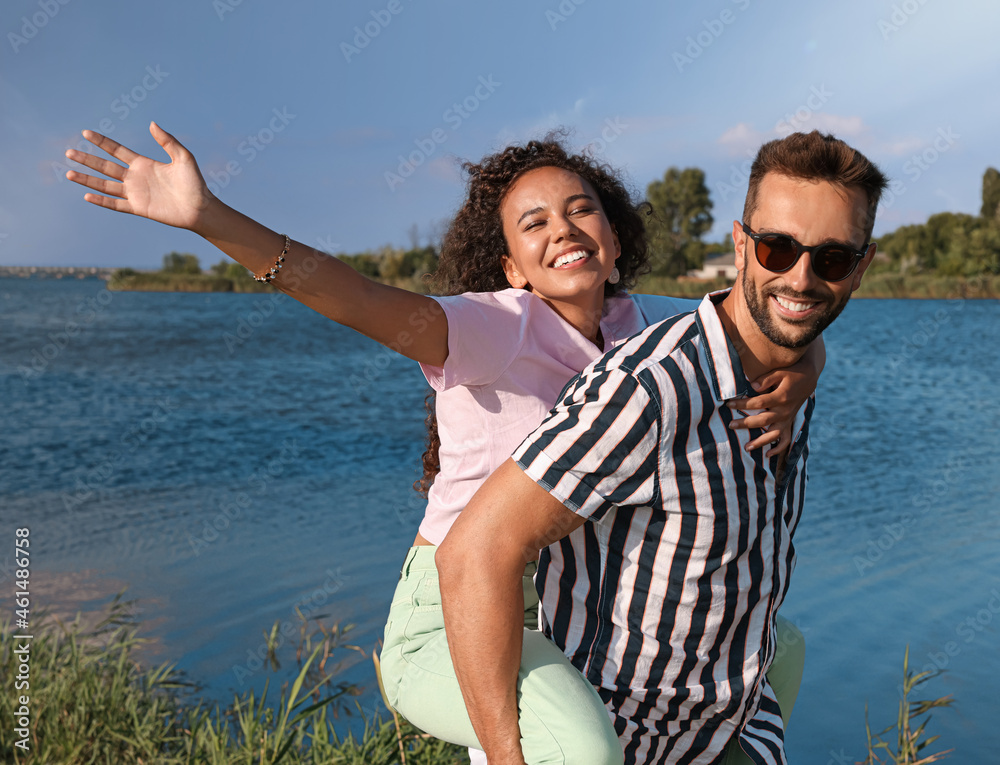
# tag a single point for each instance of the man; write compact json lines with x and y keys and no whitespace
{"x":666,"y":598}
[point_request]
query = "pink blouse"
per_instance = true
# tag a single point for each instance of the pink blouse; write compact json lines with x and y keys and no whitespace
{"x":509,"y":356}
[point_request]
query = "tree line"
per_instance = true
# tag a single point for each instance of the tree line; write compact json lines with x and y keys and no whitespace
{"x":950,"y":244}
{"x":679,"y":208}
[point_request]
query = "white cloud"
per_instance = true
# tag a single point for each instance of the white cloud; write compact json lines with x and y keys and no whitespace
{"x":902,"y":146}
{"x":842,"y":127}
{"x":743,"y":138}
{"x":446,"y":167}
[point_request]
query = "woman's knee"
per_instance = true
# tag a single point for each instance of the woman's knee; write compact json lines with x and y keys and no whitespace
{"x":785,"y":674}
{"x":790,"y":648}
{"x":597,"y":744}
{"x":563,"y":720}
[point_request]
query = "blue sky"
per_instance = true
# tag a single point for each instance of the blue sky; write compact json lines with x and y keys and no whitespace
{"x":301,"y":114}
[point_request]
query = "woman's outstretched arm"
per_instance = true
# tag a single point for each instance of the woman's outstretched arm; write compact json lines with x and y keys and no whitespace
{"x":175,"y":193}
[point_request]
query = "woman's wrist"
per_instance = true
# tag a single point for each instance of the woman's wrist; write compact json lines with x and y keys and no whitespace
{"x":210,"y":222}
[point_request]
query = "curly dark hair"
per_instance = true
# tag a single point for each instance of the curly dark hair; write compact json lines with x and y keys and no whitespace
{"x":474,"y":245}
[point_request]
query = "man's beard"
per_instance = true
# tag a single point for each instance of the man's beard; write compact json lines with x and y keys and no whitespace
{"x":812,"y":327}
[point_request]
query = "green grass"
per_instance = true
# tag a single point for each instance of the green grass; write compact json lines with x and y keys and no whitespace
{"x":91,"y":702}
{"x":910,"y":741}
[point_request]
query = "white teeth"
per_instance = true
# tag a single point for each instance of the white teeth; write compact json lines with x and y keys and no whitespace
{"x":570,"y":257}
{"x":785,"y":303}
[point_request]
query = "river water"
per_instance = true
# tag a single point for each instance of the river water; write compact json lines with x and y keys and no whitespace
{"x":228,"y":458}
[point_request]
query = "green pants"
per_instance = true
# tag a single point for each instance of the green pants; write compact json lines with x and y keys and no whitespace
{"x":562,"y":719}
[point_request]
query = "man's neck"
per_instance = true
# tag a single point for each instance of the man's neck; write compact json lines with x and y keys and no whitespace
{"x":758,"y":355}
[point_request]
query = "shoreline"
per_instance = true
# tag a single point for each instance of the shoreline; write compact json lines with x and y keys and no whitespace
{"x":883,"y":286}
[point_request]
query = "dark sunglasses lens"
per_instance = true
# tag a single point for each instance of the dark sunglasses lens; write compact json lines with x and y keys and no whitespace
{"x":776,"y":253}
{"x":833,"y":263}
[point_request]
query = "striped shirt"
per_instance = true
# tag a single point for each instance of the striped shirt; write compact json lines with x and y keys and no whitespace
{"x":666,"y":600}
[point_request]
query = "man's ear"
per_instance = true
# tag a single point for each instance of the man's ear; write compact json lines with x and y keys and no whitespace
{"x":865,"y":262}
{"x":740,"y":244}
{"x":514,"y":277}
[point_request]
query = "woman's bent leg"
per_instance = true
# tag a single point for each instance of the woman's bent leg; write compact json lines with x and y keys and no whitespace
{"x":562,"y":719}
{"x":784,"y":677}
{"x":785,"y":674}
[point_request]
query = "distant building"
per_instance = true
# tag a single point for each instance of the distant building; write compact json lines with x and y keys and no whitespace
{"x":716,"y":266}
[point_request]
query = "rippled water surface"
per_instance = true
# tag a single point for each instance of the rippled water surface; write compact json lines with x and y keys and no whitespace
{"x":228,"y":457}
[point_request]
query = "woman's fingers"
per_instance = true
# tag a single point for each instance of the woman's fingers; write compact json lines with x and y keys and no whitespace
{"x":171,"y":145}
{"x":113,"y":148}
{"x":101,"y":165}
{"x":104,"y":186}
{"x":767,"y":437}
{"x":112,"y":203}
{"x":780,"y":445}
{"x":763,"y":419}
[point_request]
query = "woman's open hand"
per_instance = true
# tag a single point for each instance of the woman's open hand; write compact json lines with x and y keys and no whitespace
{"x":173,"y":193}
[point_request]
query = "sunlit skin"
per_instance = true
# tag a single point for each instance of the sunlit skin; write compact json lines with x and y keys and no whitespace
{"x":546,"y":213}
{"x":551,"y":213}
{"x":812,"y":213}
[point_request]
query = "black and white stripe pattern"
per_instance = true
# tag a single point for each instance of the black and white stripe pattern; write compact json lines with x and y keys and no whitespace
{"x":666,"y":601}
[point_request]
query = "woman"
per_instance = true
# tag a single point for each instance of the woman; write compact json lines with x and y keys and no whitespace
{"x":545,"y":243}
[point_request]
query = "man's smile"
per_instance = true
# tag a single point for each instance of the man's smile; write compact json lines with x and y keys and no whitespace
{"x":794,"y":308}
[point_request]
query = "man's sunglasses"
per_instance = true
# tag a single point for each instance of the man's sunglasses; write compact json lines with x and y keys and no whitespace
{"x":830,"y":262}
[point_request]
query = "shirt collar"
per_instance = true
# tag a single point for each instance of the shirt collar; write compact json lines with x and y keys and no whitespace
{"x":728,"y":379}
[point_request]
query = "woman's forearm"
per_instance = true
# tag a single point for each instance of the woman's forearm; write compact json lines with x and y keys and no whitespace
{"x":407,"y":322}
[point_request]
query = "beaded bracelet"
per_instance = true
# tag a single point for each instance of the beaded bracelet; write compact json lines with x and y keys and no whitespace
{"x":269,"y":275}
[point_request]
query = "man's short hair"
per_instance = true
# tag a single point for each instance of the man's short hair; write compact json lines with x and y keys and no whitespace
{"x":817,"y":157}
